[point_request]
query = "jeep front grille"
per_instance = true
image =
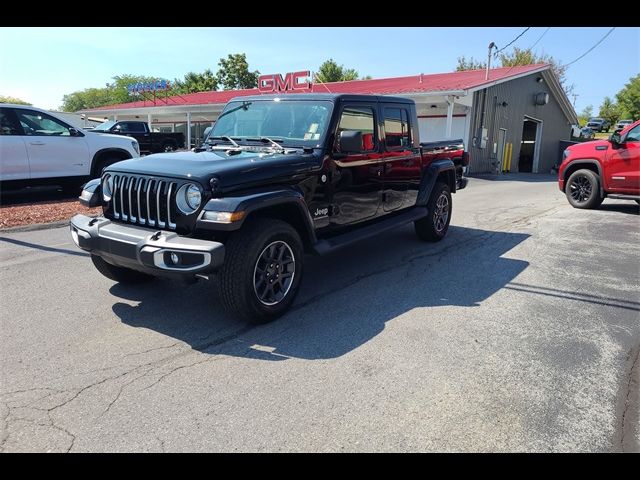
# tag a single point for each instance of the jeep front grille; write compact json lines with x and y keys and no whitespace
{"x":144,"y":200}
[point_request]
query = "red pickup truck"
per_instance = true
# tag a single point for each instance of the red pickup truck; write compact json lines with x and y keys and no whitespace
{"x":593,"y":171}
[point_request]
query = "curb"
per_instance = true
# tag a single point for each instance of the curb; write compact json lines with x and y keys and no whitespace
{"x":35,"y":226}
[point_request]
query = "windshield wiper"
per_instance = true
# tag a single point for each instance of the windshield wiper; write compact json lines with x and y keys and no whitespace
{"x":224,"y":137}
{"x":274,"y":143}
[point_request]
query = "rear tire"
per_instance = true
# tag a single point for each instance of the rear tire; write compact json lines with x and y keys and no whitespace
{"x":119,"y":274}
{"x":262,"y":270}
{"x":168,"y":147}
{"x":583,"y":189}
{"x":435,"y":225}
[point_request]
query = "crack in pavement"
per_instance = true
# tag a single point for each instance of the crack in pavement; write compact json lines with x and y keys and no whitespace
{"x":627,"y":442}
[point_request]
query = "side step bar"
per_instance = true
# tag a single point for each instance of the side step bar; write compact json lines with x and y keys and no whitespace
{"x":322,"y":247}
{"x":621,"y":196}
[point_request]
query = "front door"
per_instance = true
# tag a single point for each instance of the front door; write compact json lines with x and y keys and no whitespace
{"x":14,"y":162}
{"x":622,"y":168}
{"x":53,"y":152}
{"x":401,"y":159}
{"x":137,"y":131}
{"x":356,"y":177}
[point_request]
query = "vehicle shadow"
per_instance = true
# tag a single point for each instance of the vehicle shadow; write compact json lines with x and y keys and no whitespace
{"x":627,"y":207}
{"x":53,"y":193}
{"x":346,"y":298}
{"x":517,"y":177}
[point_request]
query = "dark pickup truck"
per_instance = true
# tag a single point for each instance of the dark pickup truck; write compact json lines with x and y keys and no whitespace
{"x":150,"y":142}
{"x":281,"y":176}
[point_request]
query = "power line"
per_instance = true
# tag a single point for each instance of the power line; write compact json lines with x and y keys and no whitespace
{"x":540,"y":38}
{"x":511,"y":42}
{"x":598,"y":43}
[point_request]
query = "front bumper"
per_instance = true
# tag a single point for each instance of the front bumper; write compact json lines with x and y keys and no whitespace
{"x":156,"y":252}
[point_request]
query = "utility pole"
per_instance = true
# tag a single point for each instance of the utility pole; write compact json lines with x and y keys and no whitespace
{"x":486,"y":74}
{"x":575,"y":95}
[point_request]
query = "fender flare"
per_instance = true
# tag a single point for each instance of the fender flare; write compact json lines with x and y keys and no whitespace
{"x":429,"y":177}
{"x":585,"y":161}
{"x":254,"y":202}
{"x":102,"y":151}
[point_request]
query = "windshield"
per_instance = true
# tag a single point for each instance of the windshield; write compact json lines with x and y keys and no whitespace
{"x":105,"y":126}
{"x":290,"y":122}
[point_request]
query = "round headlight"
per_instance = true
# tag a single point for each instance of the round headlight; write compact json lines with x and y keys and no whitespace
{"x":194,"y":197}
{"x":189,"y":198}
{"x":107,"y":188}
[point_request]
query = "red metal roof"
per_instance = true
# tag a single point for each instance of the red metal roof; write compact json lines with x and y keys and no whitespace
{"x":437,"y":82}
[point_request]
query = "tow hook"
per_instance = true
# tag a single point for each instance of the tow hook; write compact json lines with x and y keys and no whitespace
{"x":92,"y":221}
{"x":156,"y":235}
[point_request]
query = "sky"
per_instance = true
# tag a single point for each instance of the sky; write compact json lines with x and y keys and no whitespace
{"x":43,"y":64}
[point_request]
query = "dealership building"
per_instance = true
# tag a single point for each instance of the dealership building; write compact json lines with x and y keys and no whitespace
{"x":512,"y":119}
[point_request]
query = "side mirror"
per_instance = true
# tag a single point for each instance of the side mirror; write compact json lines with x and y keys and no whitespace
{"x":615,"y":139}
{"x":74,"y":132}
{"x":117,"y":128}
{"x":350,"y":141}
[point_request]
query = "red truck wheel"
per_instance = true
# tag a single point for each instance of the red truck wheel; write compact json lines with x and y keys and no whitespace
{"x":583,"y":189}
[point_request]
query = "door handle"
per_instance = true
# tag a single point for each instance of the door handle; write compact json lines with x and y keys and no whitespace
{"x":37,"y":143}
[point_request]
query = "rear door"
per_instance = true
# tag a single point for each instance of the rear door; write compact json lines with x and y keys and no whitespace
{"x":52,"y":151}
{"x":401,"y":178}
{"x":622,"y":168}
{"x":14,"y":161}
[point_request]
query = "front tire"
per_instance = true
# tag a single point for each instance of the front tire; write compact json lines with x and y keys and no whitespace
{"x":262,"y":270}
{"x":583,"y":189}
{"x":101,"y":164}
{"x":119,"y":274}
{"x":435,"y":225}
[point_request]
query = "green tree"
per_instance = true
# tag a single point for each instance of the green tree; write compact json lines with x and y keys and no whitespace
{"x":585,"y":115}
{"x":629,"y":99}
{"x":519,"y":56}
{"x":471,"y":64}
{"x":196,"y":82}
{"x":234,"y":73}
{"x":17,"y":101}
{"x":609,"y":111}
{"x":330,"y":71}
{"x":87,"y":98}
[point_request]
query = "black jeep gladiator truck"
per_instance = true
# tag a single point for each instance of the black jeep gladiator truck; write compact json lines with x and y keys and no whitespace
{"x":281,"y":176}
{"x":150,"y":142}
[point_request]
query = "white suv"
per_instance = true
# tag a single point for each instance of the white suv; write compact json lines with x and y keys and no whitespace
{"x":39,"y":147}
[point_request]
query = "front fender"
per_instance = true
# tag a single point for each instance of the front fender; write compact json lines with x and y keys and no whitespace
{"x":253,"y":202}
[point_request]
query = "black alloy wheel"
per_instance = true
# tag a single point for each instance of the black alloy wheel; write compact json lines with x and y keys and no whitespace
{"x":583,"y":189}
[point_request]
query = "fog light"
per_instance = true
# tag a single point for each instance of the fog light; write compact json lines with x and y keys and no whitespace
{"x":175,"y":259}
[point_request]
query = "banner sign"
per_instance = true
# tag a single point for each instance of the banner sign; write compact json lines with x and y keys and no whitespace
{"x":148,"y":86}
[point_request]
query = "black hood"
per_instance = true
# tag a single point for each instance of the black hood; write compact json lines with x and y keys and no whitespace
{"x":233,"y":170}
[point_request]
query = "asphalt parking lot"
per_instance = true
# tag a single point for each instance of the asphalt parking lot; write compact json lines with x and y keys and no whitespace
{"x":519,"y":332}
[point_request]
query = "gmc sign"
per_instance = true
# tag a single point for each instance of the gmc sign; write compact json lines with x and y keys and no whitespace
{"x":291,"y":81}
